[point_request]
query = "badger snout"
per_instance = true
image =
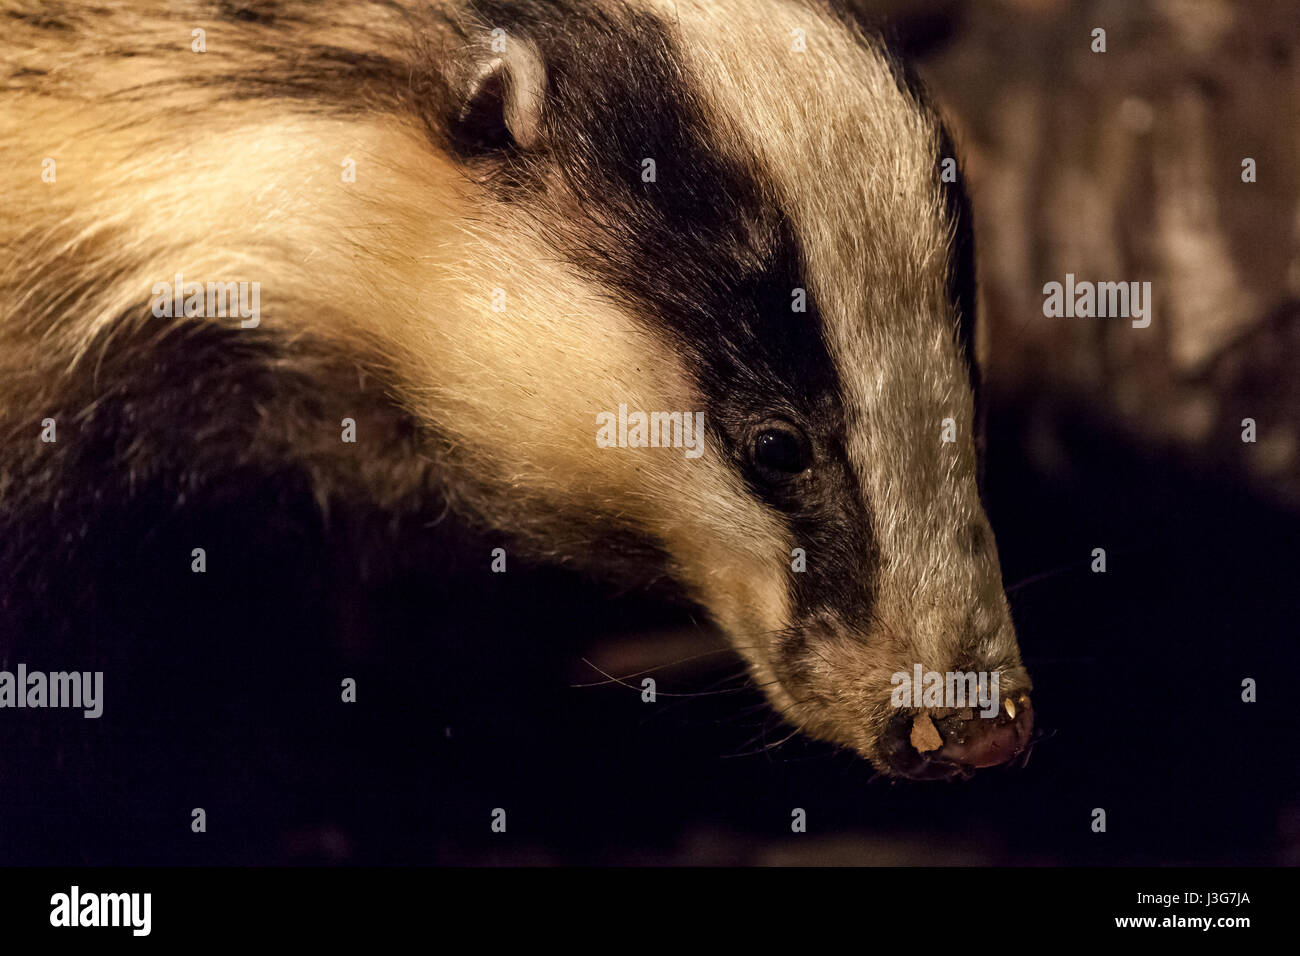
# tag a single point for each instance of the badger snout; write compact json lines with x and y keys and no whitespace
{"x":935,"y":745}
{"x":865,"y":690}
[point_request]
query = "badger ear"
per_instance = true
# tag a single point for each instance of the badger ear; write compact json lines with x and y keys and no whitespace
{"x":501,"y":97}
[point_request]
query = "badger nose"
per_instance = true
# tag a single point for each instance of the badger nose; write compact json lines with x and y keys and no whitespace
{"x":941,"y":744}
{"x":987,"y":741}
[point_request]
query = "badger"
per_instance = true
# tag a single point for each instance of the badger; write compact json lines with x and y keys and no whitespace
{"x":411,"y":257}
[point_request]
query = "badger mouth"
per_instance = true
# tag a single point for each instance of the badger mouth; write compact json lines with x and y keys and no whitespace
{"x":949,"y":743}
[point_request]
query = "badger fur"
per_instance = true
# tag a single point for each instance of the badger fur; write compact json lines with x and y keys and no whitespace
{"x":498,"y":271}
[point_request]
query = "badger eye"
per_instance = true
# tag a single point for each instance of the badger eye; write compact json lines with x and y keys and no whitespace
{"x":780,"y":452}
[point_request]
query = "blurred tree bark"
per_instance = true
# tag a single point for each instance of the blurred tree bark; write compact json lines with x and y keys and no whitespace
{"x":1127,"y":166}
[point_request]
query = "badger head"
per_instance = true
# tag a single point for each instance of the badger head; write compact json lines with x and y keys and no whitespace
{"x":562,"y":209}
{"x":744,"y":212}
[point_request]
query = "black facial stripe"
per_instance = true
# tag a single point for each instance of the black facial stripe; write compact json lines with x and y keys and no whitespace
{"x":706,"y":255}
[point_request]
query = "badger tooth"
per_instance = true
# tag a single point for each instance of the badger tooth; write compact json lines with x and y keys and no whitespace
{"x":1011,"y":708}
